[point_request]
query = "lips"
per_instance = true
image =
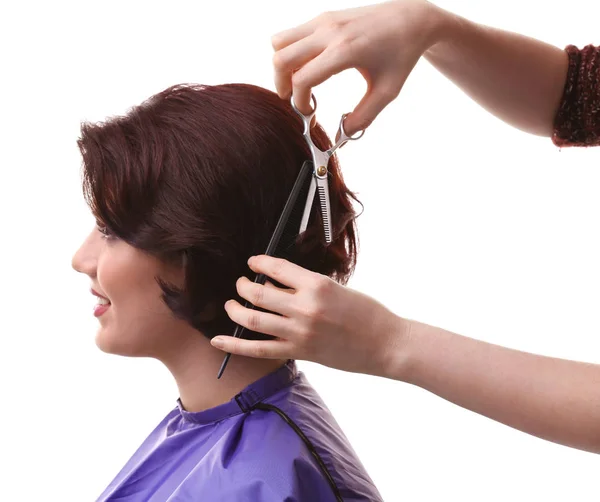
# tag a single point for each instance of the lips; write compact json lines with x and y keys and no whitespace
{"x":103,"y":303}
{"x":95,"y":293}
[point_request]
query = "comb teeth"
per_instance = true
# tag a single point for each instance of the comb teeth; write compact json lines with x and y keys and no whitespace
{"x":325,"y":215}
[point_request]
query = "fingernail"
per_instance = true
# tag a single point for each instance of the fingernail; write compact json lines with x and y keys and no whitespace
{"x":217,"y":343}
{"x":250,"y":260}
{"x":227,"y":303}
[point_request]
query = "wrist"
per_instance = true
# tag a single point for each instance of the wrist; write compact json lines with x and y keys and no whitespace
{"x":445,"y":27}
{"x":396,"y":353}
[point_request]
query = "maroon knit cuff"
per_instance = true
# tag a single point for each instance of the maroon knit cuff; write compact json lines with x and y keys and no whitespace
{"x":577,"y":121}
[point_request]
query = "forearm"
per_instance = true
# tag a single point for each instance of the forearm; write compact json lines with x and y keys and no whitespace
{"x":518,"y":79}
{"x":554,"y":399}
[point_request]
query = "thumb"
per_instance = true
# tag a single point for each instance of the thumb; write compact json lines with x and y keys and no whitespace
{"x":370,"y":106}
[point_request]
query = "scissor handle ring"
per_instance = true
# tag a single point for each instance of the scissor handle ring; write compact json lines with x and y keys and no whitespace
{"x":306,"y":118}
{"x":346,"y":137}
{"x":312,"y":112}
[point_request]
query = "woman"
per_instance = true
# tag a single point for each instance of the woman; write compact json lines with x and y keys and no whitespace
{"x":529,"y":84}
{"x":184,"y":188}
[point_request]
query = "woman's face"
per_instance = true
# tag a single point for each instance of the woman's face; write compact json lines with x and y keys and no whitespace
{"x":136,"y":322}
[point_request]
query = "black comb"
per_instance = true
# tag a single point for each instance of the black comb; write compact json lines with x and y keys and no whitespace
{"x":284,"y":236}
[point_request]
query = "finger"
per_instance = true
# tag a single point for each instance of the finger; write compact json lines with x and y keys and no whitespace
{"x":330,"y":62}
{"x":370,"y":106}
{"x":254,"y":320}
{"x":272,"y":299}
{"x":289,"y":59}
{"x":302,"y":101}
{"x":286,"y":273}
{"x":264,"y":349}
{"x":292,"y":35}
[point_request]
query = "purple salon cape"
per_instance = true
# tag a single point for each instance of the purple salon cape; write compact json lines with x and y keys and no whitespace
{"x":238,"y":453}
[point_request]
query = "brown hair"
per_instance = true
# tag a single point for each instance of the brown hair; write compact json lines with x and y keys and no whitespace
{"x":204,"y":172}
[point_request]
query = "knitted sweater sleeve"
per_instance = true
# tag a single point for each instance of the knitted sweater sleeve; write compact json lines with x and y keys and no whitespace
{"x":577,"y":121}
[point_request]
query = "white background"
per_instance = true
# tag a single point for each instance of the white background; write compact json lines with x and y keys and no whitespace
{"x":468,"y":225}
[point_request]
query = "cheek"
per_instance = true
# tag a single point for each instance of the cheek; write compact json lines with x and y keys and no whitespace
{"x":138,"y":323}
{"x":126,"y":274}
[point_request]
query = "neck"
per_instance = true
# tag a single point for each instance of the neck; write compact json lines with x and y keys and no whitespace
{"x":195,"y":365}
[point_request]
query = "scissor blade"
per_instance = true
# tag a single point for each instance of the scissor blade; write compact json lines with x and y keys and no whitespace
{"x":309,"y":204}
{"x":323,"y":188}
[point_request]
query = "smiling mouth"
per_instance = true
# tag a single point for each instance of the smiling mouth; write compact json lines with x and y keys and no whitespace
{"x":101,"y":307}
{"x":101,"y":299}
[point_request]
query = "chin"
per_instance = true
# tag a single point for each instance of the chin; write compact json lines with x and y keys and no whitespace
{"x":113,"y":343}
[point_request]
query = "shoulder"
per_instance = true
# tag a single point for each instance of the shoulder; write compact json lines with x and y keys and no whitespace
{"x":272,"y":462}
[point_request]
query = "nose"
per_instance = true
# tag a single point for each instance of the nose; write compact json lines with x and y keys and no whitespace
{"x":85,"y":259}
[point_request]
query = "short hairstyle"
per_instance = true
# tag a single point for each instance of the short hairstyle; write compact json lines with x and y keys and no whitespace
{"x":204,"y":172}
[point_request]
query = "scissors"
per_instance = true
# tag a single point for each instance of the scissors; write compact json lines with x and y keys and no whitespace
{"x":320,"y":160}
